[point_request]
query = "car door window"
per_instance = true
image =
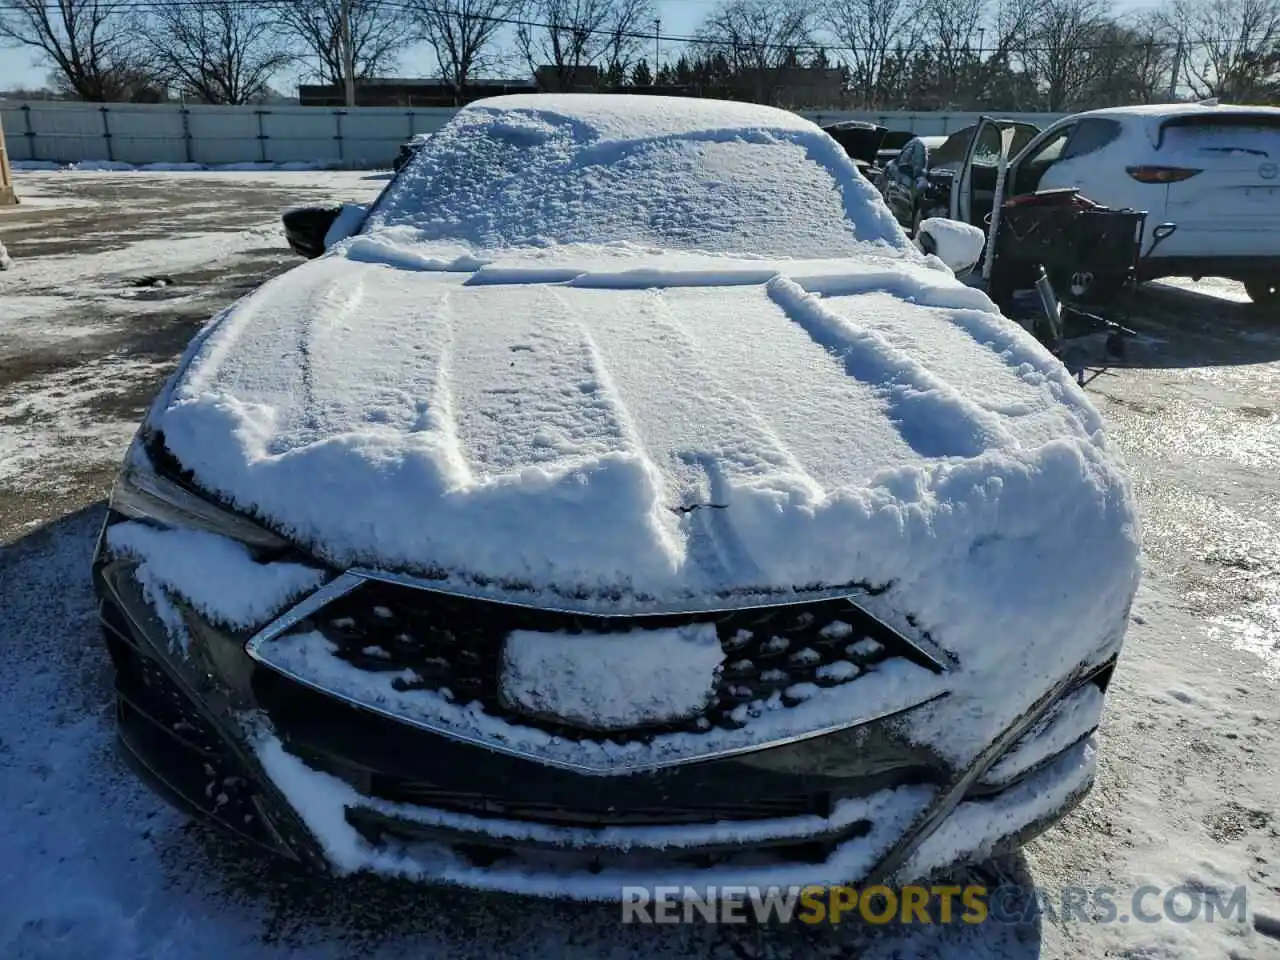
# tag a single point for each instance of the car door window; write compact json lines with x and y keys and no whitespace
{"x":1091,"y":133}
{"x":1032,"y":167}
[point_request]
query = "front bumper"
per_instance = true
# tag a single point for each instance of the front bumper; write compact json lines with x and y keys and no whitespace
{"x":343,"y":785}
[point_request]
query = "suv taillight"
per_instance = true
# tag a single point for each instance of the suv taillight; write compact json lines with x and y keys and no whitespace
{"x":1161,"y":174}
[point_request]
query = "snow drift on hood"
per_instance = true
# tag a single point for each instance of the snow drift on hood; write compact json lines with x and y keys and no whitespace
{"x":665,"y":440}
{"x":654,"y":425}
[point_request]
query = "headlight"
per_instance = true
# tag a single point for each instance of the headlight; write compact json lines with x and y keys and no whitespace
{"x":142,"y":494}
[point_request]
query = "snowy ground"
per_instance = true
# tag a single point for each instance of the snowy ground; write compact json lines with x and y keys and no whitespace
{"x":113,"y":272}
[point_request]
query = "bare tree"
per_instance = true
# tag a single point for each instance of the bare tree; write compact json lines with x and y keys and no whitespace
{"x":89,"y":44}
{"x":460,"y":32}
{"x":878,"y":36}
{"x":761,"y":35}
{"x":1063,"y":49}
{"x":1231,"y":47}
{"x":970,"y":45}
{"x":571,"y":35}
{"x":377,"y":35}
{"x":219,"y":51}
{"x":1134,"y":63}
{"x":953,"y":30}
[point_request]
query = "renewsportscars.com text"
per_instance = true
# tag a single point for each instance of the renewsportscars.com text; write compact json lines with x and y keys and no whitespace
{"x":938,"y":904}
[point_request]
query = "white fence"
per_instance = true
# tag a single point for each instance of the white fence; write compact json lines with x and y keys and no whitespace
{"x":361,"y":137}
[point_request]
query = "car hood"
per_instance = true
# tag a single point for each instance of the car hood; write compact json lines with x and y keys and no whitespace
{"x":655,"y":428}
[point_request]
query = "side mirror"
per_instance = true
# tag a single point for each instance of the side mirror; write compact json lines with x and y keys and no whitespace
{"x":305,"y":228}
{"x":958,"y":245}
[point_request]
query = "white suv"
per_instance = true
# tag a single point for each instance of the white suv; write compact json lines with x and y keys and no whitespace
{"x":1212,"y":169}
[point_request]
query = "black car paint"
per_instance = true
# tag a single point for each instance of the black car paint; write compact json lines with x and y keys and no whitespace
{"x":916,"y":188}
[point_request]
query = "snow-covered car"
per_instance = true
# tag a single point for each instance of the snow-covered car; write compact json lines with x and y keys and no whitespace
{"x":1212,"y":169}
{"x":621,"y":498}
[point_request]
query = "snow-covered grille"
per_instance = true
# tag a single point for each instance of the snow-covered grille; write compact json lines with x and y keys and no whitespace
{"x":688,"y":810}
{"x":773,"y":656}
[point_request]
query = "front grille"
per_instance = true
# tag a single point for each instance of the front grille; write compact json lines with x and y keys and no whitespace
{"x":399,"y":790}
{"x":589,"y":854}
{"x":452,"y":645}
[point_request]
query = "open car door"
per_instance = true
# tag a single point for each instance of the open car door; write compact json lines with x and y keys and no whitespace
{"x":993,"y":143}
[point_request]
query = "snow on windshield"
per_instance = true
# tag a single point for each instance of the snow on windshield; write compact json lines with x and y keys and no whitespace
{"x":666,"y":173}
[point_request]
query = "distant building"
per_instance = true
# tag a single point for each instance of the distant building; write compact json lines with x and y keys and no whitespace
{"x":552,"y":79}
{"x":794,"y":87}
{"x":408,"y":92}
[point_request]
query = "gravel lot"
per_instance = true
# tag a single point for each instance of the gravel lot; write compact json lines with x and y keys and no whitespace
{"x":114,"y":272}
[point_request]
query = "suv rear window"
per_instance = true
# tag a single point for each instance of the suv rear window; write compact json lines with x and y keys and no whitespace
{"x":1248,"y":132}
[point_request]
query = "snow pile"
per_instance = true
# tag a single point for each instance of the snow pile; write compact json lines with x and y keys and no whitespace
{"x":5,"y":260}
{"x":958,"y":245}
{"x":612,"y":681}
{"x":214,"y":575}
{"x":544,"y":436}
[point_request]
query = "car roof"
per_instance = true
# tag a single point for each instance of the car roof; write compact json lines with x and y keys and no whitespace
{"x":931,"y":142}
{"x":1168,"y":110}
{"x":610,"y":117}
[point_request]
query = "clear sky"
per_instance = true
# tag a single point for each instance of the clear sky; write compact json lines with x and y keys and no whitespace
{"x":20,"y":66}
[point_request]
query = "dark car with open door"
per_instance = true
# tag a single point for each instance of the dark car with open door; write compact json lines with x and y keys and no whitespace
{"x":906,"y":185}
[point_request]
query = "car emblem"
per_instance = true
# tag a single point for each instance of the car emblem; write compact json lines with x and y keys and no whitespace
{"x":1268,"y":171}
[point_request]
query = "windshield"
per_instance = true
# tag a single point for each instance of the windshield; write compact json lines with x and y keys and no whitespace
{"x":520,"y":178}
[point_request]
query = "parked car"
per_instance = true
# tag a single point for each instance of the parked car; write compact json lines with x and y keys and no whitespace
{"x":909,"y":190}
{"x":918,"y":185}
{"x":891,"y":146}
{"x":1211,"y":169}
{"x":626,"y":500}
{"x":409,"y":149}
